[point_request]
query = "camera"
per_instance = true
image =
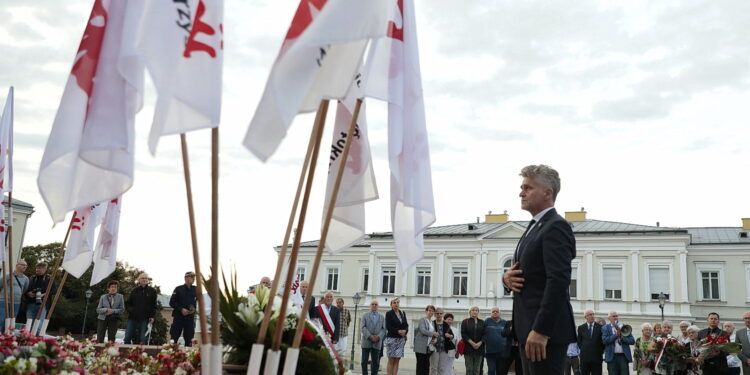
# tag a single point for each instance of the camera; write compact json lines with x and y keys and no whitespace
{"x":38,"y":296}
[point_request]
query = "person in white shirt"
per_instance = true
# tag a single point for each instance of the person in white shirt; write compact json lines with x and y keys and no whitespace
{"x":733,"y":362}
{"x":572,"y":361}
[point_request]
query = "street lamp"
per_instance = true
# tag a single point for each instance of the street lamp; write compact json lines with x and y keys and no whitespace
{"x":89,"y":293}
{"x":356,"y":299}
{"x":662,"y":301}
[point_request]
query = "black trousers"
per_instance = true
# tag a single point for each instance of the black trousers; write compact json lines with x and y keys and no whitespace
{"x":108,"y":325}
{"x":183,"y":326}
{"x":553,"y":365}
{"x":423,"y":363}
{"x":591,"y":368}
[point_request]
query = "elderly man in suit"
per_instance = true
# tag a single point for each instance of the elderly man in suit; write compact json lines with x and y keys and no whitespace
{"x":373,"y":334}
{"x":743,"y":337}
{"x":329,"y":316}
{"x":616,"y":346}
{"x":590,"y":342}
{"x":540,"y":277}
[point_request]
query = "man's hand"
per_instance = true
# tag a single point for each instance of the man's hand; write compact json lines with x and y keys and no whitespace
{"x":536,"y":347}
{"x":185,"y":311}
{"x":511,"y":278}
{"x":109,"y":312}
{"x":30,"y":294}
{"x":151,"y":320}
{"x":747,"y":361}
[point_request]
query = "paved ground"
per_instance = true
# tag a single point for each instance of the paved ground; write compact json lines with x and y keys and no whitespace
{"x":408,"y":366}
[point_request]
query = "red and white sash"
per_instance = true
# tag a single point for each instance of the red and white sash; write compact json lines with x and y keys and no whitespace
{"x":325,"y":318}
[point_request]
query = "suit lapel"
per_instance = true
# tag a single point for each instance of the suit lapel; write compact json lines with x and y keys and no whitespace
{"x":530,"y":235}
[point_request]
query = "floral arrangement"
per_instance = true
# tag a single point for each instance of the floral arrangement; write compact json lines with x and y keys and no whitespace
{"x":712,"y":345}
{"x":241,"y":324}
{"x":670,"y":348}
{"x":28,"y":354}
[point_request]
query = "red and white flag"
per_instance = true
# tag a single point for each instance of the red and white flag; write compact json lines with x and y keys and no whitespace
{"x":89,"y":153}
{"x":3,"y":233}
{"x":105,"y":256}
{"x":296,"y":294}
{"x":358,"y":182}
{"x":393,"y":75}
{"x":320,"y":56}
{"x":80,"y":249}
{"x":181,"y":44}
{"x":6,"y":145}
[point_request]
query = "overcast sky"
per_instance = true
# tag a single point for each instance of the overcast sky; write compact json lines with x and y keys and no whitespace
{"x":641,"y":106}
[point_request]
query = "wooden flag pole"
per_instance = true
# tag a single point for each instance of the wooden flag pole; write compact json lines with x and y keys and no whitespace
{"x":194,"y":239}
{"x":327,"y":222}
{"x":54,"y":274}
{"x":293,"y":353}
{"x":257,"y":352}
{"x":12,"y":314}
{"x":319,"y":125}
{"x":216,"y":350}
{"x":5,"y":293}
{"x":43,"y":330}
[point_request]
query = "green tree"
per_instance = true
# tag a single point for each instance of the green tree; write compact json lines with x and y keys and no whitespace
{"x":69,"y":312}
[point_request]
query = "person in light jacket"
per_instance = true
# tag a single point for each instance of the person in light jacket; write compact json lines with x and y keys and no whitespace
{"x":373,"y":335}
{"x":111,"y":305}
{"x":424,"y":333}
{"x":20,"y":283}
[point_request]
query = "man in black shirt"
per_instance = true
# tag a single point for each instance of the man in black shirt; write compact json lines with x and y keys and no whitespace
{"x":716,"y":364}
{"x":141,"y":308}
{"x":35,"y":294}
{"x":184,"y":303}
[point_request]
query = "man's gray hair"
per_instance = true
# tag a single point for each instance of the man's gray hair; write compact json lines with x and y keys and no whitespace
{"x":546,"y":175}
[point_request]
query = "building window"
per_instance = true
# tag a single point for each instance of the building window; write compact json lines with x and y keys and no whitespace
{"x":658,"y":282}
{"x":301,"y":273}
{"x":574,"y":282}
{"x":332,"y":281}
{"x":612,"y":283}
{"x":506,"y":267}
{"x":460,"y":281}
{"x":365,"y":279}
{"x":710,"y":281}
{"x":389,"y":281}
{"x":423,"y":281}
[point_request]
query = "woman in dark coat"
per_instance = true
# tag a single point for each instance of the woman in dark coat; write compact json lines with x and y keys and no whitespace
{"x":397,"y":327}
{"x":472,"y":332}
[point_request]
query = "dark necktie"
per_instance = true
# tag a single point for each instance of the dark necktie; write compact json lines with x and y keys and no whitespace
{"x":591,"y":330}
{"x":522,"y":243}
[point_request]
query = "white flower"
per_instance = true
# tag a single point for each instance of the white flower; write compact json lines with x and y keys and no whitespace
{"x":180,"y":371}
{"x":9,"y":358}
{"x":112,"y":351}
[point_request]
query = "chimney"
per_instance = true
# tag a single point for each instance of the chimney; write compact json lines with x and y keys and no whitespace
{"x":575,"y":215}
{"x":746,"y":223}
{"x":496,"y":218}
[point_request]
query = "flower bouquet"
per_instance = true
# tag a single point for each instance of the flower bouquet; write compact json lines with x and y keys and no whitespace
{"x":241,"y":324}
{"x":714,"y":345}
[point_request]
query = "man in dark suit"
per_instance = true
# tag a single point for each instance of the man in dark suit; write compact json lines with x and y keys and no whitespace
{"x":312,"y":312}
{"x":329,"y":316}
{"x":540,"y":277}
{"x":743,"y":338}
{"x":590,"y":342}
{"x":716,"y":364}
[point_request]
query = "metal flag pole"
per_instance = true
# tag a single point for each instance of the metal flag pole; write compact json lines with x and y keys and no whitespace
{"x":292,"y":354}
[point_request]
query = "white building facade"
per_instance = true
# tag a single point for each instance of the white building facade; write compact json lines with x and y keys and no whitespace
{"x":618,"y":266}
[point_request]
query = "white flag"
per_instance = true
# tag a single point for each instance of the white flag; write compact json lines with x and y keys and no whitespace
{"x":318,"y":60}
{"x":393,"y":75}
{"x":105,"y":256}
{"x":89,"y":154}
{"x":80,"y":249}
{"x":181,"y":44}
{"x":358,"y":182}
{"x":6,"y":145}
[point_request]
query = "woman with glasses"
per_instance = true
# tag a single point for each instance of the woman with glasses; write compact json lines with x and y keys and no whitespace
{"x":441,"y":360}
{"x":422,"y":338}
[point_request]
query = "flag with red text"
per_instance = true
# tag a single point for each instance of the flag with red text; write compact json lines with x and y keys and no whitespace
{"x":319,"y":58}
{"x":80,"y":249}
{"x":358,"y":181}
{"x":105,"y":256}
{"x":181,"y":44}
{"x":6,"y":145}
{"x":393,"y":75}
{"x":89,"y":154}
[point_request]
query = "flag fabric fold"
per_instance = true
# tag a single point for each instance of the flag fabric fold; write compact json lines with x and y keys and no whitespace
{"x":6,"y":145}
{"x":181,"y":44}
{"x":393,"y":75}
{"x":358,"y":181}
{"x":319,"y":58}
{"x":89,"y":154}
{"x":105,"y":256}
{"x":80,"y":249}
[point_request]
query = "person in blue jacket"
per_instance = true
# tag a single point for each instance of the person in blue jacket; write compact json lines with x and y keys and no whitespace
{"x":616,"y":346}
{"x":497,"y":347}
{"x":184,"y":303}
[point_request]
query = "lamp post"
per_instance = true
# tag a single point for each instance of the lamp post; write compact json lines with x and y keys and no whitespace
{"x":89,"y":293}
{"x":356,"y":299}
{"x":662,"y":301}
